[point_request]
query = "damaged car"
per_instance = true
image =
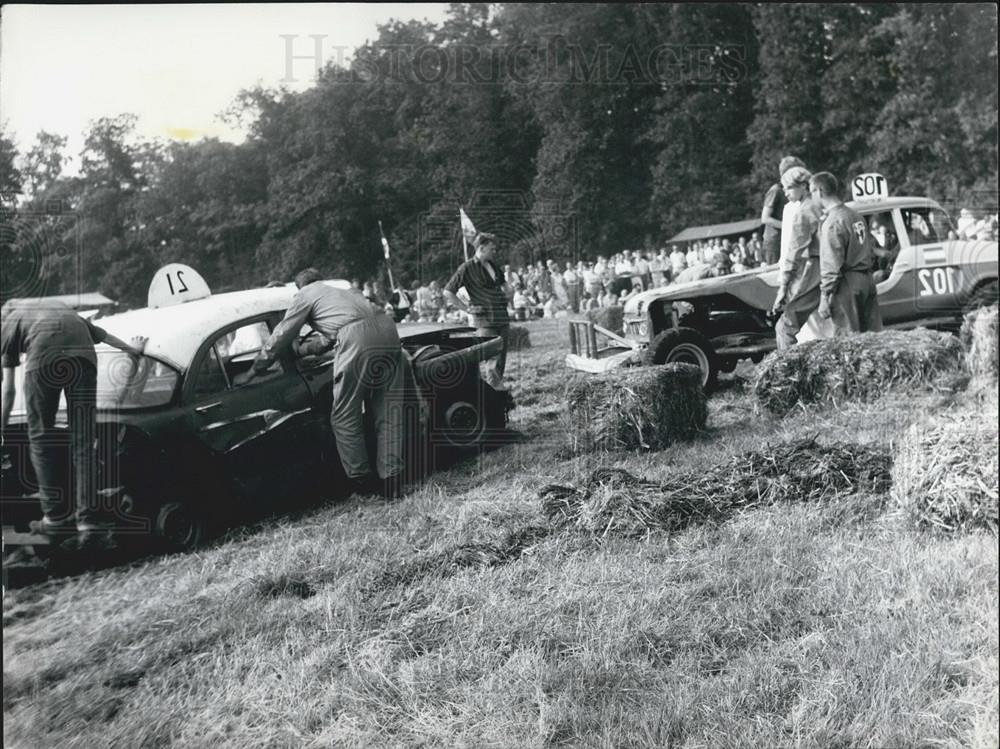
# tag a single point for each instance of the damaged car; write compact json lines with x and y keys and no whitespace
{"x":183,"y":450}
{"x":924,"y":277}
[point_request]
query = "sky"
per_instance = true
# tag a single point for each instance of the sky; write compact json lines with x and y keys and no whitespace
{"x":174,"y":66}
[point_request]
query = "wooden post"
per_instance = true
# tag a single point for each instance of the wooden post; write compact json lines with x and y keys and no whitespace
{"x":592,"y":341}
{"x":572,"y":338}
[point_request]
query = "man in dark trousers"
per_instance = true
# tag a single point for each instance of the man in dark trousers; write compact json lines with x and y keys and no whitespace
{"x":369,"y":374}
{"x":798,"y":292}
{"x":483,"y":281}
{"x":773,"y":210}
{"x":847,"y":290}
{"x":59,"y":358}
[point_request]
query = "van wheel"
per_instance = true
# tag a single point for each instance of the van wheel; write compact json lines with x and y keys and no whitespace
{"x":688,"y":346}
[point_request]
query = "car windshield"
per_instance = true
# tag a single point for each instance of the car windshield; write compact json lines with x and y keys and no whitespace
{"x":125,"y":382}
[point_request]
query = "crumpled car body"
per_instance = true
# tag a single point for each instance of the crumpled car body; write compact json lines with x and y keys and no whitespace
{"x":183,"y":450}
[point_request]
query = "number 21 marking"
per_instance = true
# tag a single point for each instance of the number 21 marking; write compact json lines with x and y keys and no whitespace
{"x":180,"y":283}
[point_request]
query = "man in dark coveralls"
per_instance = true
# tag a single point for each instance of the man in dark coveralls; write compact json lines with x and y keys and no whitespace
{"x":847,"y":290}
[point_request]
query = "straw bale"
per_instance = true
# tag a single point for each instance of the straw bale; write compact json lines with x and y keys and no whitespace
{"x":859,"y":367}
{"x":518,"y":338}
{"x":636,"y":408}
{"x":980,"y":336}
{"x":612,"y":318}
{"x":945,"y":472}
{"x":613,"y":501}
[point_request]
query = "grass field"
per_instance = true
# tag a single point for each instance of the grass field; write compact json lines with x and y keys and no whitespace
{"x":455,"y":618}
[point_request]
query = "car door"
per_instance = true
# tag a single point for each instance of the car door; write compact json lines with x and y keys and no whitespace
{"x":896,"y":291}
{"x":938,"y":281}
{"x":260,"y":432}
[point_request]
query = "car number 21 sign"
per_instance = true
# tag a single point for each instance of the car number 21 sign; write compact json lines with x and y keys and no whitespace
{"x":176,"y":283}
{"x":869,"y":187}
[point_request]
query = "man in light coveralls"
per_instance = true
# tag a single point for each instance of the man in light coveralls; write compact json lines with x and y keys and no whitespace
{"x":369,"y":370}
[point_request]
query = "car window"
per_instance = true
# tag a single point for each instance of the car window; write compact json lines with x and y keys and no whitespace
{"x":125,"y":381}
{"x":231,"y":354}
{"x":926,"y":224}
{"x":211,"y":377}
{"x":883,"y":233}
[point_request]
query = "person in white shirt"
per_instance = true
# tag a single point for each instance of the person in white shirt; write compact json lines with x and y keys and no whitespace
{"x":693,"y":256}
{"x":678,"y":262}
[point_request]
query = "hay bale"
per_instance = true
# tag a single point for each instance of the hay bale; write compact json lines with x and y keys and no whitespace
{"x":518,"y":338}
{"x":945,"y":472}
{"x":980,"y":335}
{"x":615,"y":502}
{"x":636,"y":408}
{"x":612,"y":318}
{"x":858,"y":367}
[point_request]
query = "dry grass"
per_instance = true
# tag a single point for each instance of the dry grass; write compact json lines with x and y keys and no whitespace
{"x":645,"y":408}
{"x":815,"y":624}
{"x":946,"y":468}
{"x":980,"y":336}
{"x":858,"y":367}
{"x":615,"y":501}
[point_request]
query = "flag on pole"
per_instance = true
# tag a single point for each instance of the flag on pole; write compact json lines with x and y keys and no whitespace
{"x":385,"y":242}
{"x":468,"y":230}
{"x":385,"y":247}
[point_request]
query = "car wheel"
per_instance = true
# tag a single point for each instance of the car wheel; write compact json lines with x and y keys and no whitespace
{"x":465,"y":420}
{"x":685,"y":345}
{"x":986,"y":295}
{"x":179,"y":527}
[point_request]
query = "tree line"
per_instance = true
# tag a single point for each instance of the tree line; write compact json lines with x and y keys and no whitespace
{"x":567,"y":130}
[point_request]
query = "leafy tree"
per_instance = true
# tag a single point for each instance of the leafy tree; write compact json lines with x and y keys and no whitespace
{"x":795,"y":52}
{"x":11,"y":179}
{"x":937,"y":135}
{"x":44,"y":163}
{"x":703,"y":158}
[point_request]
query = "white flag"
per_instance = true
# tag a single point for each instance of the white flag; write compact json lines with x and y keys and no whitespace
{"x":468,"y":228}
{"x":385,"y":242}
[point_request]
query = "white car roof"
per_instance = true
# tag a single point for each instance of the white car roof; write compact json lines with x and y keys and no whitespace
{"x":865,"y":207}
{"x":176,"y":332}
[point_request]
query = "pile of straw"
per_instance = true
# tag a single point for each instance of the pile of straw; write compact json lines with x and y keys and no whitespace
{"x":945,"y":472}
{"x":612,"y":318}
{"x":616,"y":502}
{"x":980,"y":336}
{"x":635,"y":408}
{"x":859,"y":367}
{"x":518,"y":338}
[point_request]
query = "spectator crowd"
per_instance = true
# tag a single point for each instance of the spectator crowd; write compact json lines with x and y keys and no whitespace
{"x":545,"y":288}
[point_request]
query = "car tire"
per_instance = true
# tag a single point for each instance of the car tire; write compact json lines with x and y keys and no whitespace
{"x":469,"y":417}
{"x":985,"y":295}
{"x":178,"y":527}
{"x":685,"y":345}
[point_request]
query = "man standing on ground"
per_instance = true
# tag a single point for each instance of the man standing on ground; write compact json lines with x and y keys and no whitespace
{"x":60,"y":357}
{"x":798,"y":292}
{"x":369,"y":372}
{"x":847,"y":290}
{"x":487,"y":302}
